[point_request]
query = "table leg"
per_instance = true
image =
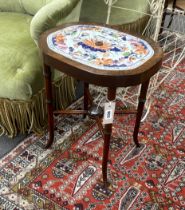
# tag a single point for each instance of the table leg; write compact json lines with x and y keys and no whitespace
{"x":86,"y":100}
{"x":48,"y":86}
{"x":107,"y":136}
{"x":142,"y":99}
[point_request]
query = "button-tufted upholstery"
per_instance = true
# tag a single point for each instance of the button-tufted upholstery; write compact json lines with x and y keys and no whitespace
{"x":22,"y":106}
{"x":20,"y":64}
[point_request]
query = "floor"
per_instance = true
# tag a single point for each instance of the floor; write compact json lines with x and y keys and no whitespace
{"x":7,"y":144}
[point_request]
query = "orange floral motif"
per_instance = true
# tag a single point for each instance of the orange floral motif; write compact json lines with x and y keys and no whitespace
{"x":60,"y":38}
{"x":125,"y":49}
{"x":103,"y":61}
{"x":140,"y":49}
{"x":101,"y":45}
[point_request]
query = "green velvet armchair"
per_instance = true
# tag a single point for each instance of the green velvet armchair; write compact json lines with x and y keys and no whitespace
{"x":22,"y":104}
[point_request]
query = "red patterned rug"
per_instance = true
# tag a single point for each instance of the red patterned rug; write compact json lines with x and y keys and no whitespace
{"x":68,"y":176}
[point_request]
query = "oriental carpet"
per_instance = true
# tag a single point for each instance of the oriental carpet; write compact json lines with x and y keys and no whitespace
{"x":68,"y":175}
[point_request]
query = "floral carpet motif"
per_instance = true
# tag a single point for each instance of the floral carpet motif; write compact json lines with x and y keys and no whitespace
{"x":68,"y":176}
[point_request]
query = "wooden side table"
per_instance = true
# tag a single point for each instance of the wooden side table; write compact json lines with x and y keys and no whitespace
{"x":102,"y":56}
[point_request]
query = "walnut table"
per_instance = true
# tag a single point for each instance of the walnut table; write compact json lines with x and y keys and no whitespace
{"x":102,"y":56}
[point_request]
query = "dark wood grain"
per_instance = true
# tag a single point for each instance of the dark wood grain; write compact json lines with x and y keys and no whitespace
{"x":49,"y":102}
{"x":142,"y":99}
{"x":111,"y":95}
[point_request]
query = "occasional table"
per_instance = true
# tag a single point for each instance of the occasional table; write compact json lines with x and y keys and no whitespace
{"x":103,"y":56}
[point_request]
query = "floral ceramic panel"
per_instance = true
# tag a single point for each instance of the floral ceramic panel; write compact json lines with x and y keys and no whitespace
{"x":100,"y":47}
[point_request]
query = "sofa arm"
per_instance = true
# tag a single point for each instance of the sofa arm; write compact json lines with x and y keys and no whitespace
{"x":53,"y":13}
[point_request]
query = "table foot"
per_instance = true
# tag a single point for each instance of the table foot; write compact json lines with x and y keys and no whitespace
{"x":137,"y":143}
{"x":50,"y":140}
{"x":142,"y":99}
{"x":106,"y":184}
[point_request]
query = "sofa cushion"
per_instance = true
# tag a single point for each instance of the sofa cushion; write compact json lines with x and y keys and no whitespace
{"x":11,"y":5}
{"x":23,"y":6}
{"x":32,"y":6}
{"x":20,"y":65}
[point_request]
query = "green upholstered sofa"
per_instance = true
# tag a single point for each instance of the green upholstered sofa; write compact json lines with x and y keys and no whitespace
{"x":133,"y":15}
{"x":22,"y":105}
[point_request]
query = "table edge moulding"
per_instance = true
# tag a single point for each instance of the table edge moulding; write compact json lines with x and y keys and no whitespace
{"x":123,"y":78}
{"x":100,"y":55}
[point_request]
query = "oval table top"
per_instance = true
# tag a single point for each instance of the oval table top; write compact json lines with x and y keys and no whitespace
{"x":100,"y":54}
